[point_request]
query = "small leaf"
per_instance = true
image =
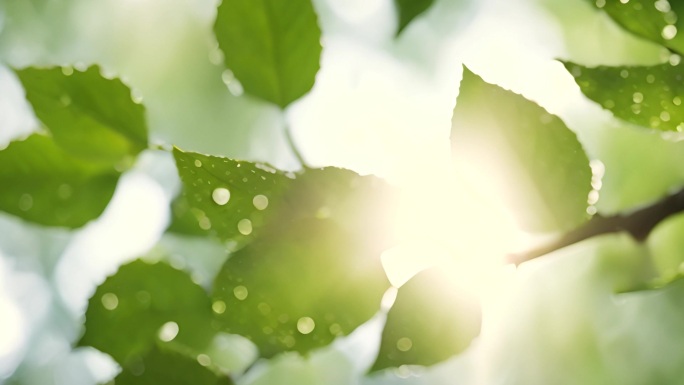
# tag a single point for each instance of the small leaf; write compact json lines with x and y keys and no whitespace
{"x":44,"y":184}
{"x":646,"y":96}
{"x":272,"y":46}
{"x":142,"y":304}
{"x":429,"y":322}
{"x":88,"y":115}
{"x":409,"y":10}
{"x":529,"y":155}
{"x":658,"y":21}
{"x":164,"y":366}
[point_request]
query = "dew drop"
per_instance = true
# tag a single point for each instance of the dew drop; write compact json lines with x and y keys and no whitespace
{"x":675,"y":60}
{"x":600,"y":3}
{"x":136,"y":96}
{"x":204,"y":223}
{"x":227,"y":76}
{"x":665,"y":116}
{"x":676,"y":101}
{"x":260,"y":202}
{"x":219,"y":307}
{"x":335,"y":329}
{"x":404,"y":344}
{"x":264,"y":308}
{"x":67,"y":70}
{"x":305,"y":325}
{"x":168,"y":331}
{"x":650,"y":79}
{"x":65,"y":100}
{"x":593,"y":197}
{"x":25,"y":202}
{"x":64,"y":191}
{"x":669,"y":32}
{"x":220,"y":195}
{"x":240,"y":292}
{"x":662,"y":6}
{"x":289,"y":341}
{"x":591,"y":210}
{"x":198,"y":163}
{"x":637,"y":97}
{"x":245,"y":226}
{"x":204,"y":359}
{"x":624,"y":74}
{"x":110,"y":301}
{"x":235,"y":88}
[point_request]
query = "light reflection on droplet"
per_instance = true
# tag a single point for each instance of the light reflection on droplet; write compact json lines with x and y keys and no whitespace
{"x":637,"y":97}
{"x":219,"y":307}
{"x":665,"y":116}
{"x":25,"y":202}
{"x":168,"y":331}
{"x":240,"y":292}
{"x":198,"y":163}
{"x":220,"y":195}
{"x":306,"y":325}
{"x":260,"y":202}
{"x":245,"y":226}
{"x":669,"y":32}
{"x":204,"y":223}
{"x":593,"y":197}
{"x":110,"y":301}
{"x":404,"y":344}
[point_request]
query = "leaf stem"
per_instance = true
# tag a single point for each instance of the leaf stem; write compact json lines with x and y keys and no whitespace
{"x":638,"y":224}
{"x":293,"y":147}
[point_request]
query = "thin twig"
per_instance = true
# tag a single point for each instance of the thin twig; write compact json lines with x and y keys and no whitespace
{"x":638,"y":224}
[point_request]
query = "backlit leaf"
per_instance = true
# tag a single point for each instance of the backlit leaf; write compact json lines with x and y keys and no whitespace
{"x":88,"y":115}
{"x":143,"y":304}
{"x":409,"y":10}
{"x":646,"y":96}
{"x":659,"y":21}
{"x":272,"y":46}
{"x":43,"y":183}
{"x":527,"y":154}
{"x":429,"y":322}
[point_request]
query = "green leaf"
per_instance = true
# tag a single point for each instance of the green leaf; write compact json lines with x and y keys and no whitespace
{"x":272,"y":46}
{"x":88,"y":115}
{"x":229,"y":198}
{"x":298,"y":287}
{"x":44,"y":184}
{"x":647,"y":96}
{"x":409,"y":10}
{"x":658,"y":21}
{"x":142,"y":304}
{"x":529,"y":155}
{"x":164,"y":366}
{"x":308,"y":248}
{"x":430,"y":321}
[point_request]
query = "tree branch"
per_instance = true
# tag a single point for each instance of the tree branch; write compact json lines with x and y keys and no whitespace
{"x":638,"y":224}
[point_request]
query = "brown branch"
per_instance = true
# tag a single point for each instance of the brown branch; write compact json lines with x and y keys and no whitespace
{"x":638,"y":224}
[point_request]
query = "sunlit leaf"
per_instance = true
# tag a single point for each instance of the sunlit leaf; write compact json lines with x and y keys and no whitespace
{"x":226,"y":197}
{"x":299,"y":286}
{"x":309,"y":247}
{"x":88,"y":115}
{"x":164,"y":366}
{"x":430,"y":321}
{"x":272,"y":46}
{"x":44,"y":184}
{"x":409,"y":10}
{"x":658,"y":21}
{"x":647,"y":96}
{"x":145,"y":303}
{"x":528,"y":154}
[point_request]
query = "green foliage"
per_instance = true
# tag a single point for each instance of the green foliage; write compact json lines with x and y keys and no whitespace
{"x":430,"y":321}
{"x":273,"y":47}
{"x":160,"y":365}
{"x":646,"y":96}
{"x":526,"y":151}
{"x":409,"y":10}
{"x":145,"y":304}
{"x":658,"y":21}
{"x":43,"y":183}
{"x":88,"y":115}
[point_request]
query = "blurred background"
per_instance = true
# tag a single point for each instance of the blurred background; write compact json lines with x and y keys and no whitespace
{"x":381,"y":105}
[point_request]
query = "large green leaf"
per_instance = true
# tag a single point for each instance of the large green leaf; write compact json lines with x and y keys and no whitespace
{"x":164,"y":366}
{"x":409,"y":10}
{"x":647,"y":96}
{"x":272,"y":46}
{"x":43,"y":183}
{"x":88,"y":115}
{"x":430,"y":321}
{"x":659,"y":21}
{"x":299,"y":286}
{"x":309,"y":248}
{"x":528,"y":154}
{"x":145,"y":303}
